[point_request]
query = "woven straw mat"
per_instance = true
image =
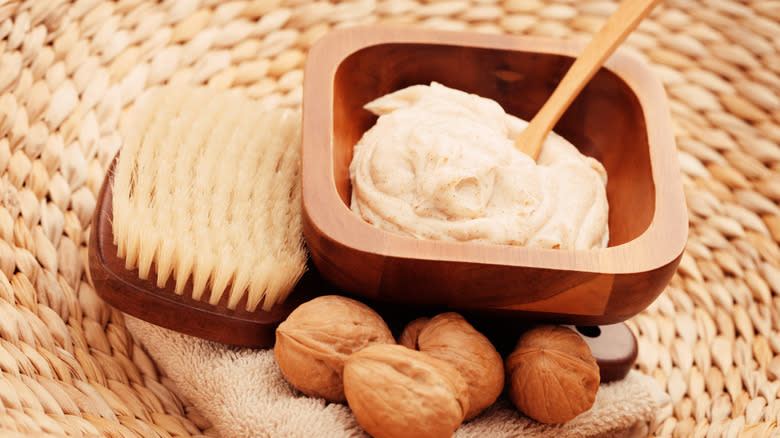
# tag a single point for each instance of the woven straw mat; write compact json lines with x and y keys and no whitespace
{"x":68,"y":366}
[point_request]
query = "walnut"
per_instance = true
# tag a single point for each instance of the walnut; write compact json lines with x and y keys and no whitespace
{"x":553,"y":376}
{"x":316,"y":338}
{"x":412,"y":330}
{"x":451,"y":338}
{"x":396,"y":392}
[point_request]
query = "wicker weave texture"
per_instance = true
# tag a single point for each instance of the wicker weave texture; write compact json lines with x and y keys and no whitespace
{"x":68,"y":70}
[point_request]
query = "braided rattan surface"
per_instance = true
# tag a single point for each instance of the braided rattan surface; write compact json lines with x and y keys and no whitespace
{"x":68,"y":70}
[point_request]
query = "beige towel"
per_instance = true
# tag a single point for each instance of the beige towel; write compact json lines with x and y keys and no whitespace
{"x":243,"y":394}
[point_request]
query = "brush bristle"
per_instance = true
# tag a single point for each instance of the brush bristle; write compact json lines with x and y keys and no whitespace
{"x":207,"y":190}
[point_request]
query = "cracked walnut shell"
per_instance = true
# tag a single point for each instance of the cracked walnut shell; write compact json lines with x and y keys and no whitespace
{"x":396,"y":392}
{"x":316,"y":338}
{"x":451,"y":338}
{"x":552,"y":374}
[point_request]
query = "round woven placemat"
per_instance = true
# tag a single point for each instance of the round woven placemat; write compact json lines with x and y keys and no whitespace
{"x":69,"y":69}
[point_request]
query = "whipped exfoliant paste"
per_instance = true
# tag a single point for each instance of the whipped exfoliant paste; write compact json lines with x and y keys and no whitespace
{"x":441,"y":164}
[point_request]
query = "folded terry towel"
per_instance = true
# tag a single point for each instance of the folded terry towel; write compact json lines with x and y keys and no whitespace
{"x":243,"y":394}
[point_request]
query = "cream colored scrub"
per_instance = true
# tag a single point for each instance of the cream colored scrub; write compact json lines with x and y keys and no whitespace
{"x":441,"y":164}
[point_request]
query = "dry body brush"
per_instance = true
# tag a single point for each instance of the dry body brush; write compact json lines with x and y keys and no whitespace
{"x":207,"y":194}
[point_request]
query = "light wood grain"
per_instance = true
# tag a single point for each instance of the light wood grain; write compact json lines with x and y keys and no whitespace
{"x":619,"y":25}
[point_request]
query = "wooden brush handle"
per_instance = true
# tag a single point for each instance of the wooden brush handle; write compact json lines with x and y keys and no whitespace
{"x":627,"y":17}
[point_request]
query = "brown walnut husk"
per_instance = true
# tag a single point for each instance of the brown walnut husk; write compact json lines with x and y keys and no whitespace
{"x":552,"y":374}
{"x":451,"y":338}
{"x":396,"y":392}
{"x":316,"y":338}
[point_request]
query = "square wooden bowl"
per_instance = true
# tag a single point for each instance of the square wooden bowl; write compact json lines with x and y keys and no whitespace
{"x":621,"y":118}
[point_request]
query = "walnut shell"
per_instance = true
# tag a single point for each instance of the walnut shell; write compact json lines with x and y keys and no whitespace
{"x":316,"y":338}
{"x":553,"y":376}
{"x":396,"y":392}
{"x":411,"y":332}
{"x":451,"y":338}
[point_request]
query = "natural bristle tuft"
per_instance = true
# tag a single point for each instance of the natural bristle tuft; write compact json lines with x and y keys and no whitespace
{"x":207,"y":191}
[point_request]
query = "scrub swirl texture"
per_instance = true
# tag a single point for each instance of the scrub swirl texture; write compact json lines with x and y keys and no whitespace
{"x":440,"y":164}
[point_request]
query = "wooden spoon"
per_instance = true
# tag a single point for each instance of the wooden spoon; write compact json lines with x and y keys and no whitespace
{"x":627,"y":16}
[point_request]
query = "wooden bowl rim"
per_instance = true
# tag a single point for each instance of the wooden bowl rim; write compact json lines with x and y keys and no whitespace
{"x":321,"y":200}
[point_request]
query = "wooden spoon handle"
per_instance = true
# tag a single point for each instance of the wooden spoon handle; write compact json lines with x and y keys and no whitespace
{"x":627,"y":16}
